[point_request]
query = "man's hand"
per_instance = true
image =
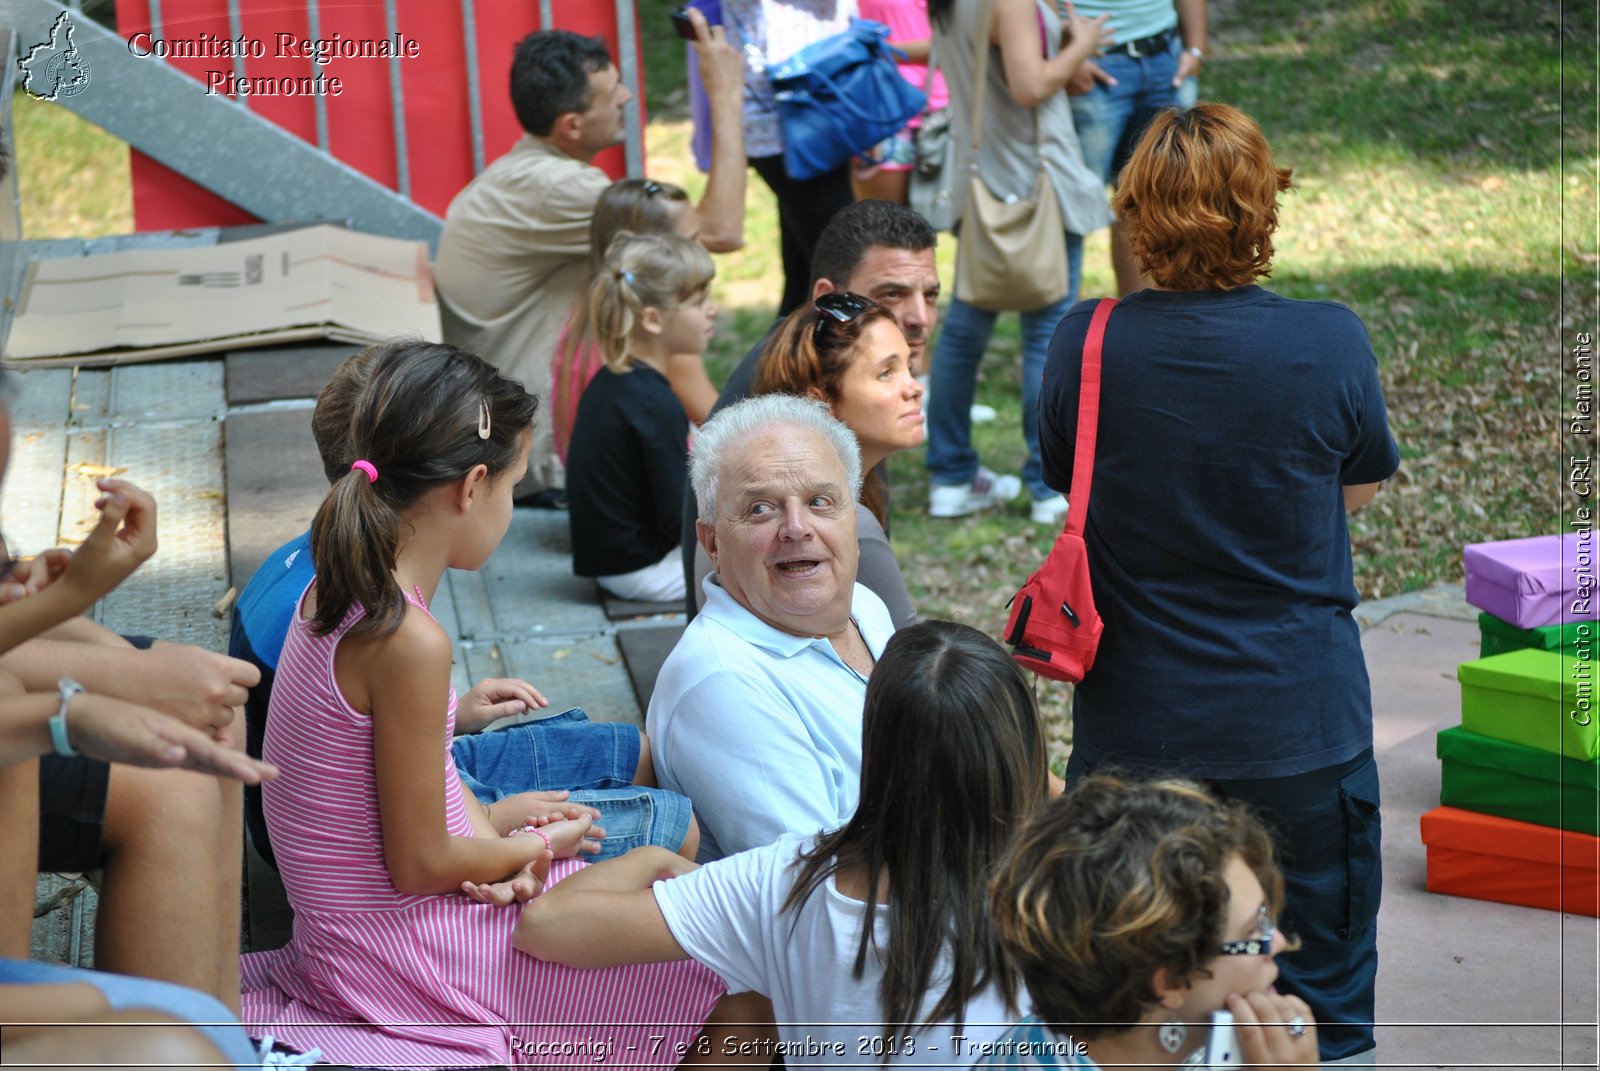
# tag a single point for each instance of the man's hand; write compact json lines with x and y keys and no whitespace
{"x":116,"y":731}
{"x":721,"y":65}
{"x":124,"y":539}
{"x":494,"y":698}
{"x":1085,"y":77}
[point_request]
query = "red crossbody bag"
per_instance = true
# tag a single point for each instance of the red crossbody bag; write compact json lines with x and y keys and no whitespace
{"x":1054,"y":628}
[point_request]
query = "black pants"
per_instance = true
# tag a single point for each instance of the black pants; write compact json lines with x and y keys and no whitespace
{"x":1327,"y":828}
{"x":804,"y":208}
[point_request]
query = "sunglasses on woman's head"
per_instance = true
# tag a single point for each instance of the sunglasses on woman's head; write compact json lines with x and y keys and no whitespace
{"x":838,"y":307}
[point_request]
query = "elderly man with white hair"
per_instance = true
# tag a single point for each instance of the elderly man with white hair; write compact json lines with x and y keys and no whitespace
{"x":756,"y":715}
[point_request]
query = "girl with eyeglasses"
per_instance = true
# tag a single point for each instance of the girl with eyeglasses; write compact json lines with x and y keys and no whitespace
{"x":1134,"y":911}
{"x":628,"y":461}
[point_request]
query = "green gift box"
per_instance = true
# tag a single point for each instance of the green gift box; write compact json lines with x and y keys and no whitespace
{"x":1497,"y":637}
{"x":1538,"y":698}
{"x":1489,"y":776}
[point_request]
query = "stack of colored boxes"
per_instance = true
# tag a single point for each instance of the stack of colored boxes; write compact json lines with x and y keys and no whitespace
{"x":1520,"y":792}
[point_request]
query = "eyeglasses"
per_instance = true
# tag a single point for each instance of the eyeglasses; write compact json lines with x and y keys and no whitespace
{"x":1259,"y":945}
{"x":838,"y":307}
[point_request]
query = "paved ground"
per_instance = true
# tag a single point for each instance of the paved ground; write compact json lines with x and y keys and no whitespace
{"x":1463,"y":983}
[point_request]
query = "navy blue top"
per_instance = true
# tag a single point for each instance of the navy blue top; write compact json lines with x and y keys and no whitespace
{"x":627,"y":466}
{"x":1218,"y":545}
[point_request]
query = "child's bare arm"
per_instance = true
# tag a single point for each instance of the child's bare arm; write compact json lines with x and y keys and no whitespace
{"x":605,"y":915}
{"x":403,"y":679}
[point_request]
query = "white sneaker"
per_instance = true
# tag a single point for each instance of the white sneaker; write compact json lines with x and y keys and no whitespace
{"x":1052,"y":510}
{"x":271,"y":1057}
{"x":985,"y":490}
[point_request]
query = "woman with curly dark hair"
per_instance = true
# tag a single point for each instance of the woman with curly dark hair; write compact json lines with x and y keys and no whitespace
{"x":1237,"y":428}
{"x":1135,"y":911}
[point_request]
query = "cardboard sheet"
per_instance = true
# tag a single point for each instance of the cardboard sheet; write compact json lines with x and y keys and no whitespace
{"x":144,"y":305}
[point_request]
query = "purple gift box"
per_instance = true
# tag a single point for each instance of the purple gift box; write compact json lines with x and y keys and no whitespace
{"x":1531,"y":583}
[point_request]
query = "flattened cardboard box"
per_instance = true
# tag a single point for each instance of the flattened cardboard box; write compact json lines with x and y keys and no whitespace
{"x":144,"y":305}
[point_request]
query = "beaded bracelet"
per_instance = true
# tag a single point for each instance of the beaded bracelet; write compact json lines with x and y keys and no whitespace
{"x":536,"y":831}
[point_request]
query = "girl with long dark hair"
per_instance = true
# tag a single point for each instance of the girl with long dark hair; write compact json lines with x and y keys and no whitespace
{"x":883,"y":921}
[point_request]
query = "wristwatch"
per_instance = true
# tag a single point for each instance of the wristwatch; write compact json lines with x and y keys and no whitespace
{"x":66,"y":688}
{"x":1196,"y":52}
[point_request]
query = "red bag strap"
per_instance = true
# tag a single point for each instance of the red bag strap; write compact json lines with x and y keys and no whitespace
{"x":1088,"y":418}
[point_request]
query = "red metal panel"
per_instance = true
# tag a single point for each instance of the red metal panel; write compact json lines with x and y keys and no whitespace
{"x":360,"y":120}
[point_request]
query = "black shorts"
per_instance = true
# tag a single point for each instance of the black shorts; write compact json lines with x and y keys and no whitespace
{"x":72,"y":812}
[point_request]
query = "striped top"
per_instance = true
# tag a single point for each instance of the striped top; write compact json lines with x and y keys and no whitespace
{"x":379,"y":978}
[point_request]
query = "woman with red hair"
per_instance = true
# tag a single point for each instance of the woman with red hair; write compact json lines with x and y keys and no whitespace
{"x":1237,"y":428}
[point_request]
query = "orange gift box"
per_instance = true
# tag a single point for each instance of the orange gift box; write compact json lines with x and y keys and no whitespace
{"x":1490,"y":858}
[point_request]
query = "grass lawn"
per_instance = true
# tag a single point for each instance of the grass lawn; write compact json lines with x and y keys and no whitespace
{"x":1446,"y":181}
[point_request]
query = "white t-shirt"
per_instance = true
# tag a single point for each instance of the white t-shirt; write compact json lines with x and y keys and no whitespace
{"x":728,"y":915}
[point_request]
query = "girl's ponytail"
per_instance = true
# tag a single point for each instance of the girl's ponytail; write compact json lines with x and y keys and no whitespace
{"x":355,"y":538}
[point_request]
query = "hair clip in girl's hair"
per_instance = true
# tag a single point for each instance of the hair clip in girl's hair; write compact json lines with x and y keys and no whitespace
{"x":483,"y":420}
{"x":627,"y":277}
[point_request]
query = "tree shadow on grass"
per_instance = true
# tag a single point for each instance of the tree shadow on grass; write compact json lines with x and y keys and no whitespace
{"x":1450,"y":83}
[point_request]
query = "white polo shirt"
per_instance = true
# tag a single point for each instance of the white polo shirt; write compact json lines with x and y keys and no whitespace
{"x":759,"y":728}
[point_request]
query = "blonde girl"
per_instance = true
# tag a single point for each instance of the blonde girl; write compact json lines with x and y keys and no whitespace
{"x":628,"y":459}
{"x":638,"y":206}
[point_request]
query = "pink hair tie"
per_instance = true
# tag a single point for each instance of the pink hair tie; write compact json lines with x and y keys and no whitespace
{"x":367,"y":467}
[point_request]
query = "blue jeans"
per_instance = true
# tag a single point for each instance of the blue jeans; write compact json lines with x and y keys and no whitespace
{"x":953,"y":381}
{"x":1110,"y":118}
{"x":122,"y":992}
{"x":595,"y":760}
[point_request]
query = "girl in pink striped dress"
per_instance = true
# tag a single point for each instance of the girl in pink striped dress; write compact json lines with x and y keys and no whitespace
{"x":406,"y":890}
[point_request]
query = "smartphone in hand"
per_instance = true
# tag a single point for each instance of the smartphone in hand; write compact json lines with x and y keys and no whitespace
{"x":1222,"y":1048}
{"x":682,"y":24}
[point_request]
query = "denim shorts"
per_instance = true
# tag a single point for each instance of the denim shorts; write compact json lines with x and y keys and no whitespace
{"x":123,"y":992}
{"x":596,"y":761}
{"x":563,"y":751}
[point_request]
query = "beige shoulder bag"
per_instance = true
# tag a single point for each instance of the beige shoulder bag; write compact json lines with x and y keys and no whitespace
{"x":1012,"y":255}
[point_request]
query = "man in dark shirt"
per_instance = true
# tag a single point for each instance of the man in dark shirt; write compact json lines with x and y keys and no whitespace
{"x":877,"y":249}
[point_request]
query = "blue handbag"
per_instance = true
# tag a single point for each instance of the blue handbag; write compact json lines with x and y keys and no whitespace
{"x":841,"y":96}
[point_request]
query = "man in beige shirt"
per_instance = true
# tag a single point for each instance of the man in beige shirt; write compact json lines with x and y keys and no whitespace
{"x":513,"y":257}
